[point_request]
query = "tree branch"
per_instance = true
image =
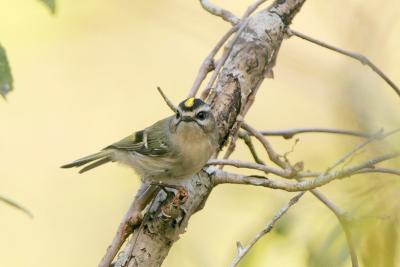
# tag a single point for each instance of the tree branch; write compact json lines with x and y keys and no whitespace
{"x":166,"y":99}
{"x":220,"y":12}
{"x":341,"y":216}
{"x":209,"y":62}
{"x":220,"y":177}
{"x":262,"y":167}
{"x":364,"y":60}
{"x":290,"y":133}
{"x":343,"y":219}
{"x":243,"y":251}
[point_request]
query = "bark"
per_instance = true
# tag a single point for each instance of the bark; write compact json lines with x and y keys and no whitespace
{"x":252,"y":58}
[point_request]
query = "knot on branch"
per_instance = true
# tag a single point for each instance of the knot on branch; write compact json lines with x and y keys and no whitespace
{"x":173,"y":209}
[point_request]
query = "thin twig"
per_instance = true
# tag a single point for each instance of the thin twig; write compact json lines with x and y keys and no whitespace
{"x":251,"y":8}
{"x":208,"y":63}
{"x":376,"y":136}
{"x":243,"y":23}
{"x":14,"y":204}
{"x":242,"y":251}
{"x":169,"y":102}
{"x":261,"y":167}
{"x":341,"y":216}
{"x":220,"y":176}
{"x":290,"y":133}
{"x":343,"y":219}
{"x":363,"y":59}
{"x":267,"y":146}
{"x":220,"y":12}
{"x":226,"y":54}
{"x":380,"y":170}
{"x":248,"y":141}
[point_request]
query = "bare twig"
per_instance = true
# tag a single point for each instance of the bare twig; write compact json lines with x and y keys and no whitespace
{"x":14,"y":204}
{"x":267,"y":146}
{"x":262,"y":167}
{"x":220,"y":176}
{"x":208,"y":63}
{"x":343,"y":219}
{"x":220,"y":12}
{"x":242,"y":251}
{"x":251,"y":8}
{"x":247,"y":140}
{"x":226,"y":54}
{"x":243,"y":23}
{"x":289,"y":133}
{"x":364,"y":60}
{"x":376,"y":136}
{"x":169,"y":102}
{"x":380,"y":170}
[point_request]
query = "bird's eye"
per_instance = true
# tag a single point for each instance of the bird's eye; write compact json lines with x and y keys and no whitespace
{"x":201,"y":115}
{"x":178,"y":115}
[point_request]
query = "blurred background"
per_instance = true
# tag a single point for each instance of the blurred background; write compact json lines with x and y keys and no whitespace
{"x":86,"y":77}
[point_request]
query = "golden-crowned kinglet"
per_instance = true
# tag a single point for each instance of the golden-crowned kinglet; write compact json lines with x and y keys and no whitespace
{"x":171,"y":149}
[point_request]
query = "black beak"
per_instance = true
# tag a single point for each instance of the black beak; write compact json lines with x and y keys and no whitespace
{"x":187,"y":118}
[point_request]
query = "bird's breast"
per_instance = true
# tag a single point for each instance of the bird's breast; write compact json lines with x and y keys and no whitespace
{"x":194,"y":147}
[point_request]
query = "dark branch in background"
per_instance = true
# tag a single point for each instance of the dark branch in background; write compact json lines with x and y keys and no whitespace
{"x":14,"y":204}
{"x":363,"y":59}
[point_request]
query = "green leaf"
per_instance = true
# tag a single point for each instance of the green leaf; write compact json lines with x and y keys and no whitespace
{"x":6,"y":80}
{"x":51,"y":4}
{"x":16,"y":205}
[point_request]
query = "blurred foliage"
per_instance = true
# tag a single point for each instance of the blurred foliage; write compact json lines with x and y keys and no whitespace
{"x":332,"y":252}
{"x":15,"y":205}
{"x":51,"y":4}
{"x":6,"y":80}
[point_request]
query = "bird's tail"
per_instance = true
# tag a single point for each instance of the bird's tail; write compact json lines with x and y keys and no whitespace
{"x":96,"y":160}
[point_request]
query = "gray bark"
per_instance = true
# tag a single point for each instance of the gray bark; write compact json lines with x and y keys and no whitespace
{"x":251,"y":59}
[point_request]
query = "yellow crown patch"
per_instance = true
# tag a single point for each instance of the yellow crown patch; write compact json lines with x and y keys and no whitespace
{"x":189,"y":103}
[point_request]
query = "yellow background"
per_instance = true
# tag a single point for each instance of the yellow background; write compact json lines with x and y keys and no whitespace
{"x":87,"y":77}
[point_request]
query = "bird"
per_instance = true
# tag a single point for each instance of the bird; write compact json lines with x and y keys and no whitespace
{"x":168,"y":151}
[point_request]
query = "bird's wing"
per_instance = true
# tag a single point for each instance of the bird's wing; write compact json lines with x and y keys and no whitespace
{"x":150,"y":142}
